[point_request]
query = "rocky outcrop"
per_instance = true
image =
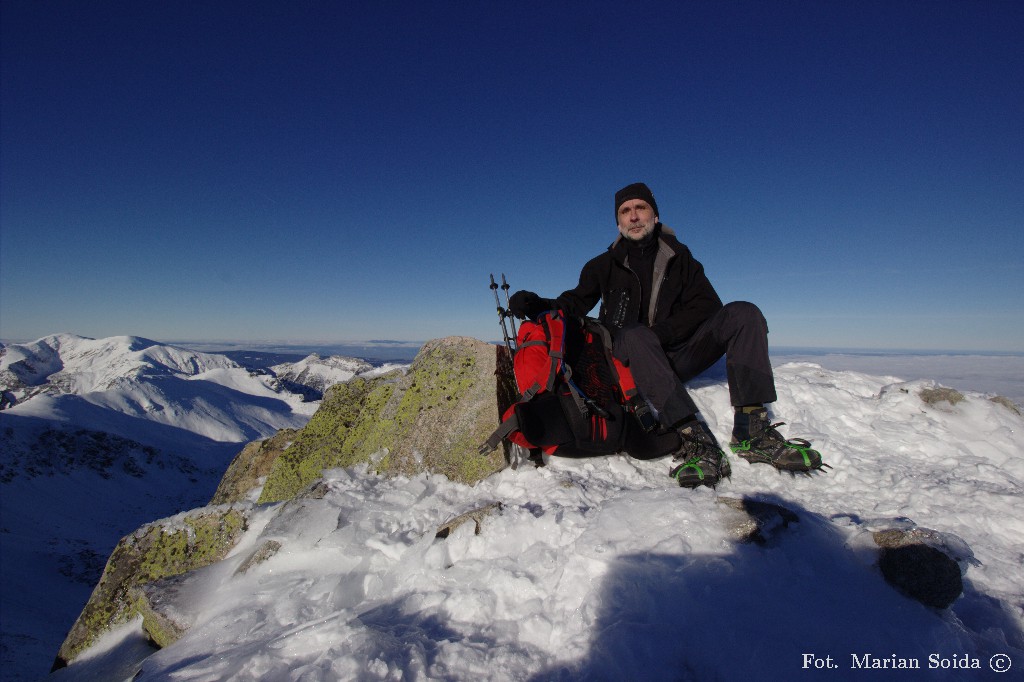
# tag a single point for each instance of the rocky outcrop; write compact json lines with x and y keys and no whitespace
{"x":938,"y":394}
{"x":251,"y":466}
{"x":477,"y":516}
{"x":163,"y":549}
{"x":160,"y":604}
{"x":431,"y":418}
{"x":1006,"y":402}
{"x":919,"y":564}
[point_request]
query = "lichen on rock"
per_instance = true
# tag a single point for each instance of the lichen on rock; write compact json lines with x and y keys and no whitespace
{"x":938,"y":394}
{"x":1007,"y":403}
{"x":250,"y":465}
{"x":432,"y":418}
{"x":161,"y":549}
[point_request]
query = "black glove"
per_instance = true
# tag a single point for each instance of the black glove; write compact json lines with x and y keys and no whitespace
{"x":526,"y":304}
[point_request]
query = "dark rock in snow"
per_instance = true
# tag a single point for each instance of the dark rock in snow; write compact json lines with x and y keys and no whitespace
{"x":918,"y":569}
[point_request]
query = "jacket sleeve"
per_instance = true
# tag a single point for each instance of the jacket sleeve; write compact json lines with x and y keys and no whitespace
{"x":581,"y":300}
{"x":694,"y":303}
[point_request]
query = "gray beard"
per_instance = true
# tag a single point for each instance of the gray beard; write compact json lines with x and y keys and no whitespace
{"x":642,"y":240}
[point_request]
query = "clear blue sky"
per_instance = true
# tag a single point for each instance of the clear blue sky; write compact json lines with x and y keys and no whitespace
{"x":336,"y":171}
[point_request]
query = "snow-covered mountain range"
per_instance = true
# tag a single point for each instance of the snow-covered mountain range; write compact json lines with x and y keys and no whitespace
{"x":101,"y":382}
{"x":314,"y":374}
{"x":67,"y":363}
{"x":98,"y":436}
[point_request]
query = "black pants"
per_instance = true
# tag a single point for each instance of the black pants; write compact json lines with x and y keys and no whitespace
{"x":738,"y":331}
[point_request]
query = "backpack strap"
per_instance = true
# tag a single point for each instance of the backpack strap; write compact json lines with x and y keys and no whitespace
{"x":623,"y":377}
{"x":581,"y":401}
{"x":508,"y":426}
{"x":554,"y":331}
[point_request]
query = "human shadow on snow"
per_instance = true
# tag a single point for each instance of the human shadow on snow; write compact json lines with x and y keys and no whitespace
{"x":803,"y":598}
{"x":776,"y":608}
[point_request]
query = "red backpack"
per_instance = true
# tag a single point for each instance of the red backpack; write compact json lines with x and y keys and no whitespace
{"x":576,"y":399}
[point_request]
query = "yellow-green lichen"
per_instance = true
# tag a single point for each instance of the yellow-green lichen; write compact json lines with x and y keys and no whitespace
{"x":374,"y":431}
{"x":931,"y":396}
{"x":161,"y":632}
{"x":346,"y":418}
{"x":254,"y":462}
{"x":431,"y":419}
{"x":451,"y":405}
{"x":159,"y":550}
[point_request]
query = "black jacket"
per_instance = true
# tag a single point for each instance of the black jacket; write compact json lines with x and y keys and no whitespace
{"x":682,"y":298}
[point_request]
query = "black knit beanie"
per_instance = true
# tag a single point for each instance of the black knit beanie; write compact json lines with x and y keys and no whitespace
{"x":637,"y":190}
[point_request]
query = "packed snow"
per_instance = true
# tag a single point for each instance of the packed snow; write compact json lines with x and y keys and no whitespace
{"x":603,"y":569}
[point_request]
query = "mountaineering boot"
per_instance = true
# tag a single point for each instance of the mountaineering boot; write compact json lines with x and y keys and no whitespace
{"x":701,"y":461}
{"x":755,"y":439}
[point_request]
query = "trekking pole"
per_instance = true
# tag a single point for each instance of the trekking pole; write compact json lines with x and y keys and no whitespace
{"x":502,"y":314}
{"x":508,"y":306}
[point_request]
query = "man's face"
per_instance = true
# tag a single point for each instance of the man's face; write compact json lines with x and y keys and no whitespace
{"x":636,"y":219}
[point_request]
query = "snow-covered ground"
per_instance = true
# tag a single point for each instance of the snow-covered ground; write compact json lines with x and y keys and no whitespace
{"x":602,"y":569}
{"x":108,"y":434}
{"x":992,"y":374}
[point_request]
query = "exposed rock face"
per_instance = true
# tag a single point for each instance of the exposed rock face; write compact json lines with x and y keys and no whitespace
{"x":162,"y":618}
{"x":159,"y":550}
{"x":1006,"y":402}
{"x":432,"y":418}
{"x":250,"y":465}
{"x":262,"y":553}
{"x":167,"y":605}
{"x":919,"y":562}
{"x":939,"y":394}
{"x":911,"y":564}
{"x":477,"y":516}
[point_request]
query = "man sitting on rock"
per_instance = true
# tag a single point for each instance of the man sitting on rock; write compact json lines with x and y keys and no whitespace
{"x":669,"y":326}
